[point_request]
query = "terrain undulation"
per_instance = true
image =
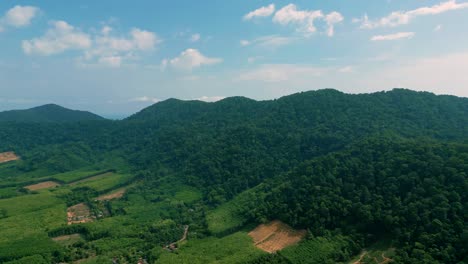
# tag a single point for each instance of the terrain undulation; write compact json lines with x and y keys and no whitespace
{"x":314,"y":177}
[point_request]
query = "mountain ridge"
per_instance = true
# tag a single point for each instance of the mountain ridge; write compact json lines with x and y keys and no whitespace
{"x":48,"y":113}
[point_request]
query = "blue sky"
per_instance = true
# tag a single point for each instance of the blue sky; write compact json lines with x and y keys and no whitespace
{"x":116,"y":57}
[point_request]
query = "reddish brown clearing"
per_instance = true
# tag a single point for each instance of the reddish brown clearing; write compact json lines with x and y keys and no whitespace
{"x":42,"y":185}
{"x":114,"y":195}
{"x":79,"y":213}
{"x":8,"y":156}
{"x":275,"y":236}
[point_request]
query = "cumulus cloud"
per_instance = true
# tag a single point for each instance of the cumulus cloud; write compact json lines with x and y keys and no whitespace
{"x":59,"y":38}
{"x":399,"y":35}
{"x":103,"y":47}
{"x":281,"y":72}
{"x":332,"y":19}
{"x":190,"y":59}
{"x":302,"y":18}
{"x":271,"y":41}
{"x":263,"y":11}
{"x":404,"y":17}
{"x":111,"y":50}
{"x":20,"y":16}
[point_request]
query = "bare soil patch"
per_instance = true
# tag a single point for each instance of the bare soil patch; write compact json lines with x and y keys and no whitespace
{"x":79,"y":213}
{"x":42,"y":185}
{"x":275,"y":236}
{"x":8,"y":156}
{"x":115,"y":195}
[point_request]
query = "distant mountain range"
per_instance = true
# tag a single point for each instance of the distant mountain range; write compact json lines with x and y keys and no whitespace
{"x":47,"y":113}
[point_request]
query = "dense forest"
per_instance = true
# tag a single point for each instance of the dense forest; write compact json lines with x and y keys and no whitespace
{"x":352,"y":170}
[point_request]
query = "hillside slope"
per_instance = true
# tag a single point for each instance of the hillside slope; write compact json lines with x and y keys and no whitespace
{"x":47,"y":113}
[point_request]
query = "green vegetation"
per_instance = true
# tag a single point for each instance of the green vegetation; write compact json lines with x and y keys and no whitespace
{"x":335,"y":249}
{"x":235,"y":248}
{"x":104,"y":182}
{"x":47,"y":113}
{"x":354,"y":170}
{"x":76,"y":175}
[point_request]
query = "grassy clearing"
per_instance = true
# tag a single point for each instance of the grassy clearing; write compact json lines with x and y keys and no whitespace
{"x":76,"y":175}
{"x":103,"y":182}
{"x":188,"y":194}
{"x":68,"y":239}
{"x":28,"y":203}
{"x":235,"y":248}
{"x":32,"y":223}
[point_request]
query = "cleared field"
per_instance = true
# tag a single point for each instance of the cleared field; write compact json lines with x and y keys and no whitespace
{"x":8,"y":156}
{"x":74,"y":176}
{"x":114,"y":195}
{"x":102,"y":182}
{"x":68,"y":239}
{"x":235,"y":248}
{"x":42,"y":185}
{"x":28,"y":203}
{"x":275,"y":236}
{"x":78,"y":214}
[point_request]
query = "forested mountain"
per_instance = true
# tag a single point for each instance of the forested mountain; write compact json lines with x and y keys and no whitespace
{"x":47,"y":113}
{"x":357,"y":168}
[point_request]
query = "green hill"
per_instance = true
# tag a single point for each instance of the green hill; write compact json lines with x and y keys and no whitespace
{"x":355,"y":170}
{"x":47,"y":113}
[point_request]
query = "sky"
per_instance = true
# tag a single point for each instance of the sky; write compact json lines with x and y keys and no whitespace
{"x":117,"y":57}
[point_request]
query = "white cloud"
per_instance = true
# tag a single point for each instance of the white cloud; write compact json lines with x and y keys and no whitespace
{"x":253,"y":59}
{"x":332,"y":19}
{"x":190,"y":59}
{"x":404,"y":17}
{"x":210,"y":98}
{"x":111,"y":50}
{"x":112,"y":61}
{"x":263,"y":11}
{"x":304,"y":19}
{"x":438,"y":28}
{"x":145,"y":99}
{"x":396,"y":36}
{"x":195,"y":37}
{"x":104,"y":47}
{"x":20,"y":16}
{"x":271,"y":41}
{"x":59,"y":38}
{"x":346,"y":69}
{"x":272,"y":73}
{"x":244,"y":42}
